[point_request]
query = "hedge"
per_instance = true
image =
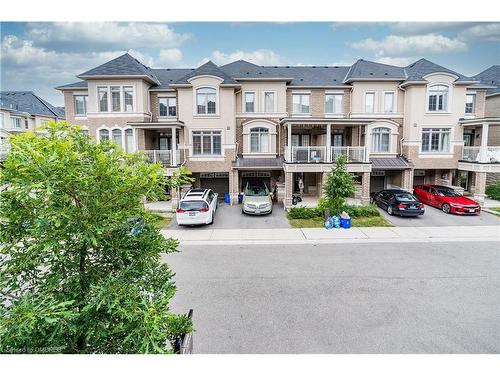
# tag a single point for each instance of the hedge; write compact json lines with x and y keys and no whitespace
{"x":493,"y":191}
{"x":302,"y":212}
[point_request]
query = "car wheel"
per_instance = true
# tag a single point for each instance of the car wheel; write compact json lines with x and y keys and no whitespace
{"x":446,"y":208}
{"x":389,"y":210}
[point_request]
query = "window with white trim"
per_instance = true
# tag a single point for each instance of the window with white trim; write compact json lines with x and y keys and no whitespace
{"x":268,"y":101}
{"x":104,"y":135}
{"x":249,"y":102}
{"x":16,"y":122}
{"x":369,"y":102}
{"x":128,"y":99}
{"x":116,"y":99}
{"x":1,"y":120}
{"x":117,"y":136}
{"x":207,"y":142}
{"x":301,"y":103}
{"x":205,"y":101}
{"x":333,"y":103}
{"x":388,"y":102}
{"x":435,"y":140}
{"x":259,"y":140}
{"x":26,"y":123}
{"x":129,"y":140}
{"x":102,"y":94}
{"x":168,"y":106}
{"x":437,"y":98}
{"x":470,"y":103}
{"x":80,"y":104}
{"x":381,"y":138}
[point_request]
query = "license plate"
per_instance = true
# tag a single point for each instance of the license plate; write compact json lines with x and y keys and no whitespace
{"x":413,"y":206}
{"x":257,"y":211}
{"x":472,"y":210}
{"x":192,"y":214}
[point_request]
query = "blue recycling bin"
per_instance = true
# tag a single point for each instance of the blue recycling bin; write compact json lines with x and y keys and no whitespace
{"x":345,"y":223}
{"x":227,"y":198}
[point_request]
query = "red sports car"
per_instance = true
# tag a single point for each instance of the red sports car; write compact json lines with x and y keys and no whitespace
{"x":447,"y":199}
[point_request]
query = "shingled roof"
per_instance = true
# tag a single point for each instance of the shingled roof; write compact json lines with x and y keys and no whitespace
{"x":490,"y":76}
{"x":209,"y":68}
{"x":27,"y":101}
{"x":74,"y":85}
{"x":419,"y":69}
{"x":167,"y":77}
{"x":363,"y":69}
{"x":124,"y":65}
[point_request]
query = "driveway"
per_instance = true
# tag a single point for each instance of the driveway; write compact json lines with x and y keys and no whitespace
{"x":230,"y":217}
{"x":434,"y":217}
{"x":340,"y":298}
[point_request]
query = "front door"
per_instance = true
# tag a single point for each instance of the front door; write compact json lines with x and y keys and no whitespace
{"x":337,"y":140}
{"x":164,"y":142}
{"x":468,"y":139}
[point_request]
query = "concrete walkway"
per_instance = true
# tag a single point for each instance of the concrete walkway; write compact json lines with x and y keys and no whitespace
{"x":320,"y":235}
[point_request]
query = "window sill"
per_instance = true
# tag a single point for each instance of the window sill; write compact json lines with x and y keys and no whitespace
{"x":206,"y":156}
{"x":437,"y":113}
{"x":294,"y":114}
{"x":167,"y":118}
{"x":215,"y":115}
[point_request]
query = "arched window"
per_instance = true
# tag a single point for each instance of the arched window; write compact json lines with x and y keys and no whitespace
{"x":205,"y":101}
{"x":381,"y":139}
{"x":117,"y":136}
{"x":437,"y":98}
{"x":259,"y":140}
{"x":129,"y":140}
{"x":104,"y":135}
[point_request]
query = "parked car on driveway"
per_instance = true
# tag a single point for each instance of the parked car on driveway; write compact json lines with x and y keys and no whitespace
{"x":447,"y":199}
{"x":257,"y":199}
{"x":197,"y":206}
{"x":398,"y":202}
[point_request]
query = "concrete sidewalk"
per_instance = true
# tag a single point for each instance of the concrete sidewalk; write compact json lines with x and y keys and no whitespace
{"x":320,"y":235}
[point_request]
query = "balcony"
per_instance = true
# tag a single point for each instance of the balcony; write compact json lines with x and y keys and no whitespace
{"x":165,"y":157}
{"x":320,"y":154}
{"x":481,"y":154}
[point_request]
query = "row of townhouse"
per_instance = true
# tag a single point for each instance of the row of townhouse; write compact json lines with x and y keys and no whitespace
{"x":22,"y":111}
{"x":230,"y":124}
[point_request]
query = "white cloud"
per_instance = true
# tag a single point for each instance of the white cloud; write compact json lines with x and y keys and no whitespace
{"x":399,"y":46}
{"x":487,"y":31}
{"x":122,"y":35}
{"x":419,"y":28}
{"x":398,"y":61}
{"x":168,"y":57}
{"x":259,"y":57}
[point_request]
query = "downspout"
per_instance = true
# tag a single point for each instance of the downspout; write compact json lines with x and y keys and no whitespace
{"x":403,"y":126}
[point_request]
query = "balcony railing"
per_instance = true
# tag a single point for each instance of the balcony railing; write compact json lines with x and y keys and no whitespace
{"x":320,"y":154}
{"x":478,"y":154}
{"x":165,"y":157}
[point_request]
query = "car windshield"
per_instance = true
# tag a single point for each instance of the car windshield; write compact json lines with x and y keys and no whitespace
{"x":256,"y":191}
{"x":405,"y":197}
{"x":192,"y":205}
{"x":448,"y":193}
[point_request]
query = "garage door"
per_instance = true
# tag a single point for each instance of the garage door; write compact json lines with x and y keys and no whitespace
{"x":377,"y":183}
{"x":218,"y":184}
{"x":255,"y":177}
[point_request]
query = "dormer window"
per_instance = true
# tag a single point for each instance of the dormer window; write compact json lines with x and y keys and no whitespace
{"x":437,"y":98}
{"x":205,"y":101}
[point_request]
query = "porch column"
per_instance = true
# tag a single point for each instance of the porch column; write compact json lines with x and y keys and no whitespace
{"x":407,"y":180}
{"x":289,"y":142}
{"x":174,"y":146}
{"x":479,"y":187}
{"x":174,"y":197}
{"x":288,"y":189}
{"x":365,"y":188}
{"x":484,"y":143}
{"x":328,"y":142}
{"x":233,"y":186}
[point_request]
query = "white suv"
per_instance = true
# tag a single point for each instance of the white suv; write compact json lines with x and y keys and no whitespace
{"x":198,"y":206}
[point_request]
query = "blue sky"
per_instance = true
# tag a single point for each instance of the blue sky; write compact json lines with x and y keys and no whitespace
{"x":40,"y":56}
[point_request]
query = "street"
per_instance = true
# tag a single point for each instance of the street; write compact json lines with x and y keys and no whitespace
{"x":341,"y":298}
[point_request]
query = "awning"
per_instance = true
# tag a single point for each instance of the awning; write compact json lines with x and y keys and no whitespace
{"x":394,"y":163}
{"x":258,"y":163}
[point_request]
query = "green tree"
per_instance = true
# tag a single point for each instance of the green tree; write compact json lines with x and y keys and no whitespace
{"x":180,"y":177}
{"x":338,"y":186}
{"x":80,"y":265}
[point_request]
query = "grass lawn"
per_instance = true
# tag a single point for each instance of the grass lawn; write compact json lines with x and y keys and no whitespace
{"x":161,"y":222}
{"x":318,"y":222}
{"x":497,"y":209}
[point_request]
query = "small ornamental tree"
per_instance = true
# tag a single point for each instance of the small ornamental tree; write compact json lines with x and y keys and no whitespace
{"x":80,"y":260}
{"x":338,"y":186}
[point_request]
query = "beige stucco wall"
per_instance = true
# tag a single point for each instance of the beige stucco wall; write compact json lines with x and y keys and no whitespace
{"x":379,"y":87}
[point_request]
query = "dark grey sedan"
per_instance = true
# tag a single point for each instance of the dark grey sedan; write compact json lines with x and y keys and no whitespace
{"x":398,"y":202}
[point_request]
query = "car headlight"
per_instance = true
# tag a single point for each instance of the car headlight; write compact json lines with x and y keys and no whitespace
{"x":249,"y":205}
{"x":455,"y":205}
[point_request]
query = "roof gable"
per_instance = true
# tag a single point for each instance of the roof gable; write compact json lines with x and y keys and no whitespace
{"x":419,"y":69}
{"x":209,"y":68}
{"x":124,"y":65}
{"x":27,"y":101}
{"x":490,"y":76}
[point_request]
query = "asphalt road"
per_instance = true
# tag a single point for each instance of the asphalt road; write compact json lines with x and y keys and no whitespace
{"x":434,"y":217}
{"x":230,"y":217}
{"x":350,"y":298}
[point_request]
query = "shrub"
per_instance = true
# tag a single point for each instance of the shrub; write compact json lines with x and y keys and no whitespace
{"x":304,"y":213}
{"x":493,"y":191}
{"x":339,"y":185}
{"x":368,"y":210}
